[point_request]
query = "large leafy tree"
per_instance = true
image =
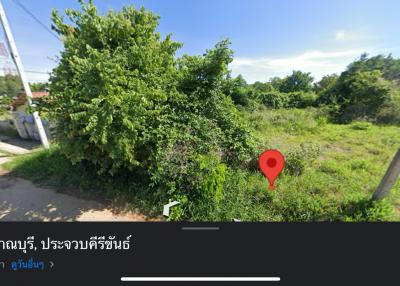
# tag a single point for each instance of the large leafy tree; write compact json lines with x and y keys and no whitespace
{"x":367,"y":89}
{"x":326,"y":89}
{"x":238,"y":90}
{"x":110,"y":89}
{"x":387,"y":65}
{"x":297,"y":81}
{"x":362,"y":94}
{"x":367,"y":86}
{"x":122,"y":101}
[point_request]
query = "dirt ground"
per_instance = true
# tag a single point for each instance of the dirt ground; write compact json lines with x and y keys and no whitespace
{"x":20,"y":200}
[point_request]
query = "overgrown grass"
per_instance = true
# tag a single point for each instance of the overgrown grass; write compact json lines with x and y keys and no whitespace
{"x":331,"y":173}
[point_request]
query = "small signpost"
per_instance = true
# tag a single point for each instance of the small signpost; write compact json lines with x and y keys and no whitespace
{"x":168,"y":206}
{"x":389,"y":179}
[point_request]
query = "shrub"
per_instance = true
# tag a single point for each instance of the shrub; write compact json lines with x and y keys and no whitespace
{"x":238,"y":90}
{"x":274,"y":99}
{"x":198,"y":177}
{"x":123,"y":103}
{"x":368,"y":210}
{"x":361,"y":125}
{"x":361,"y":95}
{"x":389,"y":113}
{"x":298,"y":158}
{"x":301,"y":99}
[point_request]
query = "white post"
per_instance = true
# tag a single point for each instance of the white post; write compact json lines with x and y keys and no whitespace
{"x":389,"y":179}
{"x":21,"y":72}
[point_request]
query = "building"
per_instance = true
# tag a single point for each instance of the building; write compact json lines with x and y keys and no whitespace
{"x":19,"y":102}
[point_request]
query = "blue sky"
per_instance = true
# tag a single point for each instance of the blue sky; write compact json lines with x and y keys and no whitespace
{"x":269,"y":37}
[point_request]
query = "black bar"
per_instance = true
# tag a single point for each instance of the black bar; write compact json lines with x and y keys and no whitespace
{"x":298,"y":253}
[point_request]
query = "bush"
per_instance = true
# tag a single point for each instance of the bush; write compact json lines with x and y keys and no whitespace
{"x":301,"y":99}
{"x":124,"y":104}
{"x":361,"y":95}
{"x":361,"y":125}
{"x":389,"y":113}
{"x":239,"y":91}
{"x":274,"y":99}
{"x":298,"y":158}
{"x":184,"y":172}
{"x":368,"y":210}
{"x":204,"y":184}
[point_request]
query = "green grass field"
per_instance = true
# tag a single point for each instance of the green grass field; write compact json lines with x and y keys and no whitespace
{"x":332,"y":171}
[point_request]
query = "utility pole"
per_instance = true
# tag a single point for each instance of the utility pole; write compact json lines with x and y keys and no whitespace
{"x":21,"y":72}
{"x":389,"y":179}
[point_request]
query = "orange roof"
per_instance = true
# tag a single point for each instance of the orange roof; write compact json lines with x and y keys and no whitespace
{"x":20,"y":99}
{"x":38,"y":94}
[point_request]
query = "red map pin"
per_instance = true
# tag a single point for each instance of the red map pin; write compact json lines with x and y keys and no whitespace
{"x":271,"y":163}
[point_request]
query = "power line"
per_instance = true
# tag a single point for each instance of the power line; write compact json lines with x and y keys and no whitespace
{"x":31,"y":71}
{"x":41,"y":72}
{"x":36,"y":19}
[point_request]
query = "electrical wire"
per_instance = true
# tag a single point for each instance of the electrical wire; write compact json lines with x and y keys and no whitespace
{"x":27,"y":11}
{"x":40,"y":72}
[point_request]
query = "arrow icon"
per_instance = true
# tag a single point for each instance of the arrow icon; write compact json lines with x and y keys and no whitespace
{"x":168,"y":206}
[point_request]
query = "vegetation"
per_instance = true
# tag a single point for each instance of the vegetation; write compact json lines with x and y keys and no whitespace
{"x":123,"y":103}
{"x":39,"y":86}
{"x":140,"y":124}
{"x":331,"y":173}
{"x":10,"y":86}
{"x":368,"y":90}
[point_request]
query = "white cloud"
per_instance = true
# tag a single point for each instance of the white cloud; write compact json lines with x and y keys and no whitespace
{"x":340,"y":35}
{"x":317,"y":62}
{"x":346,"y":36}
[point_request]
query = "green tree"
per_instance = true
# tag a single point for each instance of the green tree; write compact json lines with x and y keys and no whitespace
{"x":326,"y":82}
{"x":297,"y":81}
{"x":238,"y":89}
{"x":276,"y":82}
{"x":123,"y":103}
{"x":389,"y":66}
{"x":365,"y":90}
{"x":39,"y":86}
{"x":262,"y":87}
{"x":361,"y":94}
{"x":260,"y":92}
{"x":326,"y":89}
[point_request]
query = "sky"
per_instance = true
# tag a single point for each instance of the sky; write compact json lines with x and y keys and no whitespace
{"x":269,"y":37}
